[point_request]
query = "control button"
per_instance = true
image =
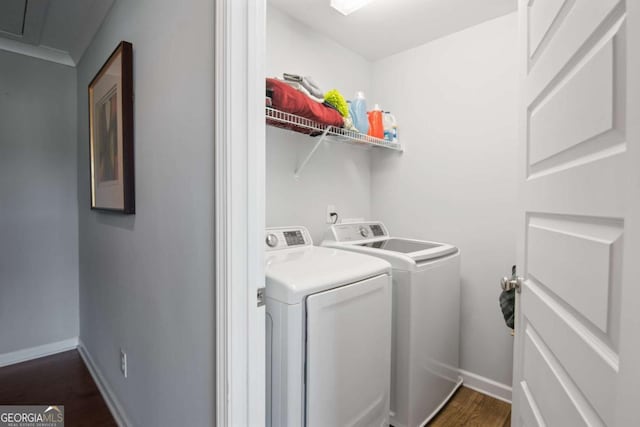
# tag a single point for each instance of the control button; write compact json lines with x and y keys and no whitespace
{"x":272,"y":240}
{"x":364,"y":232}
{"x":377,"y":230}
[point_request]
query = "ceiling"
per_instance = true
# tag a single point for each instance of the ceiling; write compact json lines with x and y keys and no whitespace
{"x":56,"y":30}
{"x":386,"y":27}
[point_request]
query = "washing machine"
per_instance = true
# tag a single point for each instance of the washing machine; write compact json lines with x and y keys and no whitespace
{"x":426,"y":316}
{"x":328,"y":318}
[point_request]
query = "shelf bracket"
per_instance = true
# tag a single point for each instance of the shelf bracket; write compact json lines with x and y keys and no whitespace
{"x":302,"y":165}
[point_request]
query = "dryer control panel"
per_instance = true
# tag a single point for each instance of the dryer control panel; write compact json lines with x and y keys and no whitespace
{"x":358,"y":231}
{"x":286,"y":238}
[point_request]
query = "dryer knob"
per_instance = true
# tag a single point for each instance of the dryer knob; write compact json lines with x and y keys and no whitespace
{"x":364,"y":232}
{"x":272,"y":240}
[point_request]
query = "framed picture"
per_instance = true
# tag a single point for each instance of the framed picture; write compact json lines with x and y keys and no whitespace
{"x":111,"y":129}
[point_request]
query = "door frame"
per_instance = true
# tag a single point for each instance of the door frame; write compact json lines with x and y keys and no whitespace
{"x":240,"y":57}
{"x":239,"y":222}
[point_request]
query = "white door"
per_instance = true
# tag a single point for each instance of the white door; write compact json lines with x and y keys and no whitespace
{"x":348,"y":365}
{"x":576,"y":351}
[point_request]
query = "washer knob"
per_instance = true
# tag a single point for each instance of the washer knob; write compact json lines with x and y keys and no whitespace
{"x":364,"y":232}
{"x":272,"y":240}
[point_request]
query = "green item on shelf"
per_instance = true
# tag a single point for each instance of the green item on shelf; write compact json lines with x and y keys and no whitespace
{"x":336,"y":99}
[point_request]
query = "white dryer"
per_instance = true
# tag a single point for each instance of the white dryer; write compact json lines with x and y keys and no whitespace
{"x":328,"y":334}
{"x":426,"y":317}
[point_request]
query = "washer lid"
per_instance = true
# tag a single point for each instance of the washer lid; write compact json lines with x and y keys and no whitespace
{"x":293,"y":274}
{"x":372,"y":238}
{"x":404,"y":246}
{"x":417,"y":250}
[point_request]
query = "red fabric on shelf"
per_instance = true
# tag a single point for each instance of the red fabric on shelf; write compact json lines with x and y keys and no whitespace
{"x":287,"y":99}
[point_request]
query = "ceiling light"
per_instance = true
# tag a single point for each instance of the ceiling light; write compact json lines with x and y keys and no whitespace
{"x":346,"y":7}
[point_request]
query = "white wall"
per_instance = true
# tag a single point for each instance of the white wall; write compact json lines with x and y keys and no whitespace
{"x":146,"y":280}
{"x":38,"y":207}
{"x":338,"y":174}
{"x":455,"y":99}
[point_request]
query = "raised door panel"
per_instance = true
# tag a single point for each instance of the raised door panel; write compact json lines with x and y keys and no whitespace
{"x":557,"y":397}
{"x":529,"y":413}
{"x":585,"y":24}
{"x":542,"y":14}
{"x":577,"y":110}
{"x":579,"y":116}
{"x":587,"y":357}
{"x":578,"y":260}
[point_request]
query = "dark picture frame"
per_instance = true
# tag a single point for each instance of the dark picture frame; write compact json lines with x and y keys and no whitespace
{"x":111,"y":133}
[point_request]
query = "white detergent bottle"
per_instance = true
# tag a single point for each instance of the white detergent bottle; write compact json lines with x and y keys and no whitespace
{"x":390,"y":127}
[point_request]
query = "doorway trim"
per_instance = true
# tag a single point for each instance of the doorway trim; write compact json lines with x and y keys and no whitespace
{"x":239,"y":211}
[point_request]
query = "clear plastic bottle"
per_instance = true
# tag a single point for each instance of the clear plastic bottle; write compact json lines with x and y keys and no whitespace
{"x":358,"y":112}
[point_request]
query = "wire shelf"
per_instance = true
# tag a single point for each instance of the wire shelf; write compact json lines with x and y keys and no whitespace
{"x":334,"y":133}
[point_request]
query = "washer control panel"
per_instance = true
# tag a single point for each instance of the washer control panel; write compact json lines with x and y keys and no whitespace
{"x":358,"y":231}
{"x":286,"y":238}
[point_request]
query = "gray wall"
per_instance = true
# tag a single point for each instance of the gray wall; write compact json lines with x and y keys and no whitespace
{"x":38,"y":209}
{"x":146,"y":281}
{"x":455,"y":99}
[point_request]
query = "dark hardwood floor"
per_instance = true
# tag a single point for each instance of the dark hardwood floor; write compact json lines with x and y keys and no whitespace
{"x":469,"y":408}
{"x":61,"y":379}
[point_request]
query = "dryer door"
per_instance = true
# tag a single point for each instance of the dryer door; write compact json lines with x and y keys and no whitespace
{"x":349,"y":355}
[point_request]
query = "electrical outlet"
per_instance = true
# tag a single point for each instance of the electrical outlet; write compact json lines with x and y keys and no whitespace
{"x":123,"y":362}
{"x":330,"y":209}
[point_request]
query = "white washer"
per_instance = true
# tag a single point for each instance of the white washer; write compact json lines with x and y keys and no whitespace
{"x":328,"y":334}
{"x":426,"y":317}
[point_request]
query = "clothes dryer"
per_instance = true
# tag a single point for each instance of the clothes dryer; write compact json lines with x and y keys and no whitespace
{"x":328,"y":334}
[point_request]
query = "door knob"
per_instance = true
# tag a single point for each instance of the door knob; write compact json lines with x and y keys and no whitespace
{"x":511,"y":283}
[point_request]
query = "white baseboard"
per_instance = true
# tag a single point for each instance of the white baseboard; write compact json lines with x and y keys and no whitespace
{"x":27,"y":354}
{"x":107,"y":394}
{"x":486,"y":386}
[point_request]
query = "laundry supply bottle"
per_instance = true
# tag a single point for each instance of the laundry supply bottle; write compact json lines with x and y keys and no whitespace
{"x":358,"y":112}
{"x":390,"y":127}
{"x":376,"y":128}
